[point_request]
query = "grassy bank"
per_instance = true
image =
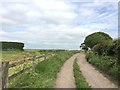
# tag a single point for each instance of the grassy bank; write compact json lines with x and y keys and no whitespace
{"x":106,"y":64}
{"x":44,"y":74}
{"x":79,"y":79}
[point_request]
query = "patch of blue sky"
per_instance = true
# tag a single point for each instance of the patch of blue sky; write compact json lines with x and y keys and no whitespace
{"x":13,"y":29}
{"x":108,"y":8}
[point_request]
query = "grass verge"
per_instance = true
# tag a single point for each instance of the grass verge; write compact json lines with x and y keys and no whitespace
{"x":105,"y":64}
{"x":44,"y":74}
{"x":79,"y":79}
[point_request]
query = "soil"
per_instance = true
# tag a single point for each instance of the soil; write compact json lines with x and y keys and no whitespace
{"x":95,"y":78}
{"x":65,"y":78}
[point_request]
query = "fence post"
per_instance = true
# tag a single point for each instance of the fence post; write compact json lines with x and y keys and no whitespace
{"x":45,"y":56}
{"x":23,"y":65}
{"x":5,"y":67}
{"x":33,"y":62}
{"x":51,"y":54}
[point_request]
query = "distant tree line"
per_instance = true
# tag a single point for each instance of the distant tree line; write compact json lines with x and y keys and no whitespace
{"x":11,"y":45}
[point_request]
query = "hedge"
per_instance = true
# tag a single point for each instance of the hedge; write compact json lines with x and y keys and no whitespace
{"x":12,"y":45}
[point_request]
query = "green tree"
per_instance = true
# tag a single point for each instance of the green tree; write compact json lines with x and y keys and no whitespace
{"x":97,"y":38}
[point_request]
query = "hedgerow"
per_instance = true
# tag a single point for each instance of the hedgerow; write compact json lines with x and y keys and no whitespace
{"x":107,"y":64}
{"x":12,"y":45}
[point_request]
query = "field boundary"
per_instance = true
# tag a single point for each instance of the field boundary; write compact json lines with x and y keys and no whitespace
{"x":6,"y":66}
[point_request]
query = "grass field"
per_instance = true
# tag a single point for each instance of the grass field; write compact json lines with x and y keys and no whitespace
{"x":8,"y":55}
{"x":13,"y":56}
{"x":44,"y":74}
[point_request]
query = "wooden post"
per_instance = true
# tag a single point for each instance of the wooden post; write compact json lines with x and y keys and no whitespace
{"x":51,"y":54}
{"x":33,"y":62}
{"x":23,"y":65}
{"x":45,"y":56}
{"x":5,"y":67}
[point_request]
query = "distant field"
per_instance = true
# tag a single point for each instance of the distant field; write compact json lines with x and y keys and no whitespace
{"x":17,"y":55}
{"x":13,"y":56}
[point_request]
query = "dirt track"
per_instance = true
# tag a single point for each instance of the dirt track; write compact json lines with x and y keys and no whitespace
{"x":92,"y":76}
{"x":65,"y":78}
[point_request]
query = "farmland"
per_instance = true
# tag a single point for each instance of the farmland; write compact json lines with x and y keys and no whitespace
{"x":44,"y":74}
{"x":17,"y":55}
{"x":32,"y":68}
{"x":60,"y":44}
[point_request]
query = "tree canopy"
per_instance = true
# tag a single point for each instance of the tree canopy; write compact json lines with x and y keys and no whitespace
{"x":97,"y":38}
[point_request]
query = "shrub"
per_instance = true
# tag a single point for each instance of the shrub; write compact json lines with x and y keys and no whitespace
{"x":105,"y":63}
{"x":98,"y":48}
{"x":12,"y":45}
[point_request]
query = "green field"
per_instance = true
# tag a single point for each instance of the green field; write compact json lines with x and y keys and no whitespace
{"x":45,"y":71}
{"x":13,"y":56}
{"x":16,"y":56}
{"x":44,"y":74}
{"x":7,"y":55}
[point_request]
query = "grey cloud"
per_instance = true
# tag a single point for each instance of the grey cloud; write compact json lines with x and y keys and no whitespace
{"x":52,"y":28}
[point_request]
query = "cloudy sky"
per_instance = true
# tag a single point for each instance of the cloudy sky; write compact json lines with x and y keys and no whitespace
{"x":56,"y":24}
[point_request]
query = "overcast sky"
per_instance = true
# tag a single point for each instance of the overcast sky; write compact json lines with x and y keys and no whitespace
{"x":56,"y":24}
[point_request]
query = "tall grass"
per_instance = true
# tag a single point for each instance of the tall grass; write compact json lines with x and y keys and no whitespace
{"x":44,"y":74}
{"x":79,"y":79}
{"x":105,"y":63}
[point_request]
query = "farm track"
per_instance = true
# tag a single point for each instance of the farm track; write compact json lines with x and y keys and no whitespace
{"x":65,"y":78}
{"x":93,"y":76}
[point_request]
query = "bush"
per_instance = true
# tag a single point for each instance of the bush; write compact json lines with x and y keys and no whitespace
{"x":105,"y":63}
{"x":98,"y":49}
{"x":12,"y":45}
{"x":114,"y":50}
